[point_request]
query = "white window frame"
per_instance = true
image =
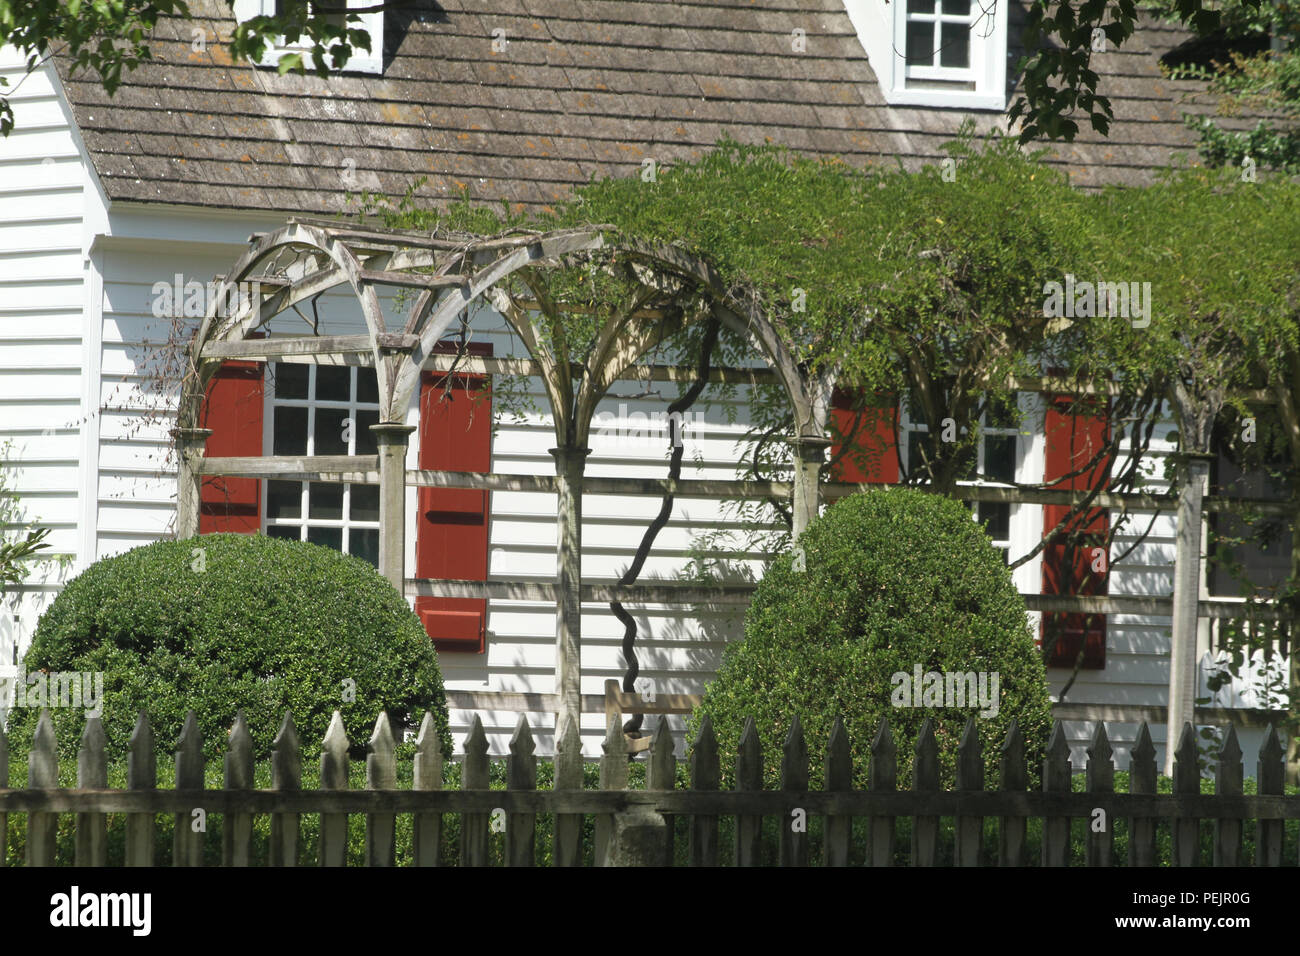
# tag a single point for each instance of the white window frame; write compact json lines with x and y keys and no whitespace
{"x":1024,"y":524}
{"x":303,"y":522}
{"x":361,"y":61}
{"x":881,"y":26}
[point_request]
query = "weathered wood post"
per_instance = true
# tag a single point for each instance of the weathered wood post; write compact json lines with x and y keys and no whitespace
{"x":190,"y":445}
{"x":809,"y":456}
{"x":642,"y":836}
{"x":391,"y":438}
{"x":42,"y":774}
{"x":613,"y":776}
{"x":570,"y":465}
{"x":141,"y":774}
{"x":567,"y":850}
{"x":1187,"y":595}
{"x":92,"y":774}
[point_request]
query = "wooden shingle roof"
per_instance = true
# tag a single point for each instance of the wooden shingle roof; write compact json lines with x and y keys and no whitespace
{"x":584,"y":88}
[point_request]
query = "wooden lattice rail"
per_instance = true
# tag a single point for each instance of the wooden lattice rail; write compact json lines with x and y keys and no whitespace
{"x":637,"y":826}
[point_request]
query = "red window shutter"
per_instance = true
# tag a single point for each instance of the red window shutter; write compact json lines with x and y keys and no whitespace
{"x":1071,"y":444}
{"x":874,"y":458}
{"x":232,"y":408}
{"x":452,"y":533}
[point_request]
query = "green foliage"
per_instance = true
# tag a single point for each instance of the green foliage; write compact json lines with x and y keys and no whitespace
{"x":892,"y":579}
{"x":231,"y":621}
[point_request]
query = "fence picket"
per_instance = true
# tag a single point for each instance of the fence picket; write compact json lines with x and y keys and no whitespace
{"x":969,"y":834}
{"x":794,"y":779}
{"x":427,"y":775}
{"x":838,"y":769}
{"x":1269,"y":773}
{"x":925,"y":779}
{"x":1142,"y":780}
{"x":237,"y":828}
{"x":749,"y":776}
{"x":1228,"y":782}
{"x":613,"y":776}
{"x":1187,"y":781}
{"x":381,"y":774}
{"x":521,"y":774}
{"x":334,"y":776}
{"x":661,"y":774}
{"x":474,"y":776}
{"x":1056,"y":779}
{"x":187,"y":840}
{"x":882,"y":777}
{"x":567,"y":849}
{"x":141,"y":774}
{"x":42,"y":774}
{"x":1101,"y":781}
{"x":1013,"y":778}
{"x":286,"y":775}
{"x":706,"y":775}
{"x":92,"y":774}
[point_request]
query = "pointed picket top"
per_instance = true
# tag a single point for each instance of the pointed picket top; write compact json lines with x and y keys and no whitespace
{"x":839,"y":758}
{"x":1143,"y":748}
{"x":1229,"y":771}
{"x":334,"y":755}
{"x":1100,"y":749}
{"x":1230,"y":752}
{"x":970,"y":758}
{"x":381,"y":758}
{"x":614,"y":744}
{"x":286,"y":756}
{"x":749,"y":759}
{"x":568,"y":756}
{"x":92,"y":758}
{"x":427,"y":769}
{"x":43,"y":761}
{"x":1011,"y":760}
{"x":476,"y":742}
{"x":794,"y":758}
{"x":1056,"y":761}
{"x":239,"y":755}
{"x":521,"y":741}
{"x":1187,"y":772}
{"x":925,"y":768}
{"x":381,"y":738}
{"x":1269,"y":770}
{"x":142,"y":761}
{"x":189,"y":755}
{"x":661,"y":772}
{"x":1057,"y":746}
{"x":883,"y":744}
{"x":706,"y":770}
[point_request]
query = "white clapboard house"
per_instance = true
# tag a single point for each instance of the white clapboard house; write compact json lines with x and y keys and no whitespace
{"x":111,"y":209}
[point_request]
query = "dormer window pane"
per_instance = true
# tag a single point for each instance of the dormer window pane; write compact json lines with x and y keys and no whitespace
{"x":954,"y":49}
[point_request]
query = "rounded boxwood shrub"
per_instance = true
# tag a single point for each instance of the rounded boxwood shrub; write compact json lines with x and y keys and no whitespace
{"x":883,"y":584}
{"x":229,"y":621}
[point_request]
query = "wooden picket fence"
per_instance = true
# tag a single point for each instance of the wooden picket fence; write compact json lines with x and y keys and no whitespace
{"x":661,"y":804}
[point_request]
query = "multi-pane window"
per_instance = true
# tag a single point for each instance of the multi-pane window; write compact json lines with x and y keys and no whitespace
{"x":324,"y":410}
{"x":939,"y":37}
{"x":995,"y":461}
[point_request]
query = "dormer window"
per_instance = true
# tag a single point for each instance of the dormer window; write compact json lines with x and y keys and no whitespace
{"x":361,"y":61}
{"x":936,"y":52}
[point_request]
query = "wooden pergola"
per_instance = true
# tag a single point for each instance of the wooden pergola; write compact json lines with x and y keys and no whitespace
{"x":448,"y":273}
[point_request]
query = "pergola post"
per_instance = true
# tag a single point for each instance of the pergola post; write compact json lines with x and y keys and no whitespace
{"x":809,"y":456}
{"x":391,"y":437}
{"x":191,"y":443}
{"x":570,"y":464}
{"x":1186,"y":598}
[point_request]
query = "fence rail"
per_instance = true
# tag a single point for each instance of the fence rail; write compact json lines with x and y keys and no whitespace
{"x":636,"y":827}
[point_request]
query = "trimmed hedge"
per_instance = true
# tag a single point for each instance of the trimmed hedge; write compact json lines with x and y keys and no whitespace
{"x":229,"y":621}
{"x":882,"y":583}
